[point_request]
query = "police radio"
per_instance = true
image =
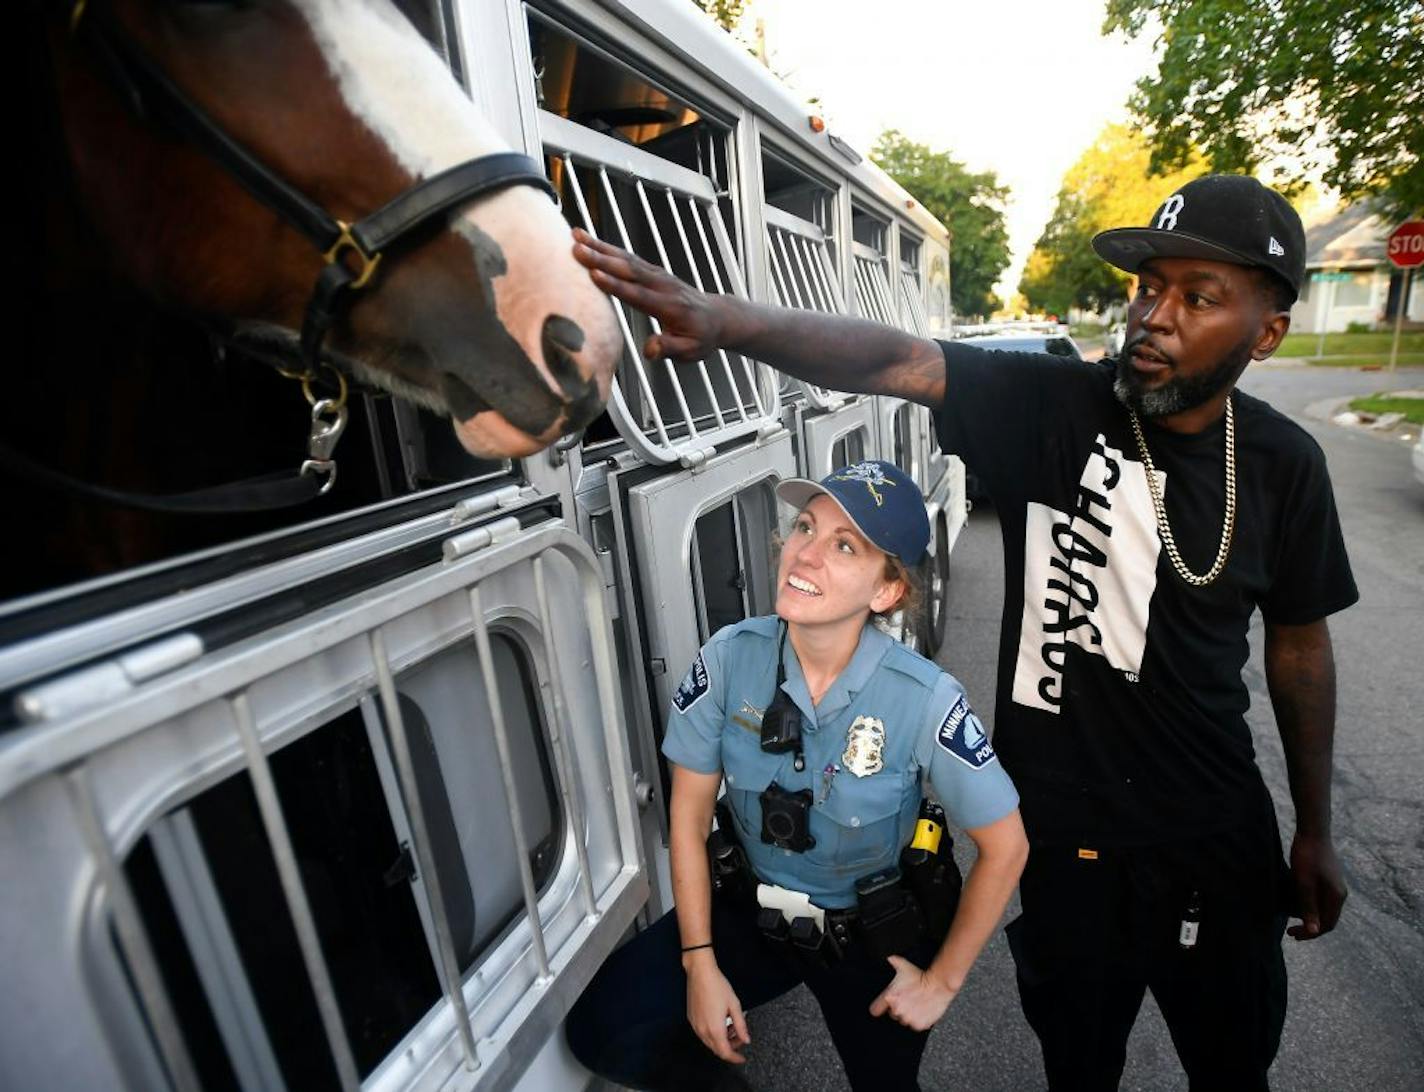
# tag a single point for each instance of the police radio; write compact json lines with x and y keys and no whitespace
{"x":781,"y":723}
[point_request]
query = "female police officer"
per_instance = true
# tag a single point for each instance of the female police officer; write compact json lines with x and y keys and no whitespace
{"x":821,"y":727}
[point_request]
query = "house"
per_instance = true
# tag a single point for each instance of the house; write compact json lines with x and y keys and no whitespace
{"x":1349,"y":279}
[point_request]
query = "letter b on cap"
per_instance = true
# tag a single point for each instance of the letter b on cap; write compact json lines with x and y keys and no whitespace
{"x":1167,"y":219}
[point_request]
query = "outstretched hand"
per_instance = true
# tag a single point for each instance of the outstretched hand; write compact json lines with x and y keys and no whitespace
{"x":1319,"y":886}
{"x":914,"y":997}
{"x":693,"y":322}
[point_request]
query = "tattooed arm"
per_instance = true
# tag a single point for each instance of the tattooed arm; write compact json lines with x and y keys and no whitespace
{"x":1300,"y":674}
{"x":836,"y":351}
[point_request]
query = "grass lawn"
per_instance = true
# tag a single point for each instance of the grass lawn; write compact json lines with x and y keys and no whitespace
{"x":1354,"y":350}
{"x":1412,"y":408}
{"x":1404,"y":360}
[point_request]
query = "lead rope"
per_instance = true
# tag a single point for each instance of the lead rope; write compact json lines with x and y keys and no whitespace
{"x":1164,"y":529}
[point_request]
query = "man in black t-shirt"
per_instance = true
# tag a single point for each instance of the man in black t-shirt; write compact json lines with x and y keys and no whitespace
{"x":1148,"y":510}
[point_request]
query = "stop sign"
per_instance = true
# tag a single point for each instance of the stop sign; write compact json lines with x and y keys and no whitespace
{"x":1406,"y":244}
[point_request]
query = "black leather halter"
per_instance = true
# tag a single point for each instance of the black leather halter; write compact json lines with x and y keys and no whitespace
{"x":151,"y":94}
{"x":351,"y":251}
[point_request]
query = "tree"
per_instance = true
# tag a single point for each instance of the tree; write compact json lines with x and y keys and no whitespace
{"x":1334,"y":85}
{"x":726,"y":13}
{"x":970,"y":204}
{"x":1109,"y":186}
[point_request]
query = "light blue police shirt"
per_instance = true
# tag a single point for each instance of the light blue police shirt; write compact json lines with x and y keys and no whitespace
{"x":860,"y":820}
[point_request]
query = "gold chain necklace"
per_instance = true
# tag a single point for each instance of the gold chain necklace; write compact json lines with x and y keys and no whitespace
{"x":1164,"y":529}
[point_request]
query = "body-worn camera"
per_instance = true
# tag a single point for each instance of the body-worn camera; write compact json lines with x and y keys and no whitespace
{"x":786,"y":818}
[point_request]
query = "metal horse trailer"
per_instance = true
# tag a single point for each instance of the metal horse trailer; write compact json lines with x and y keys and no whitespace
{"x":364,"y":801}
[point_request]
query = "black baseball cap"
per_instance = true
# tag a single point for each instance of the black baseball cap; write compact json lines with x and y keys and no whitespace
{"x":880,"y":499}
{"x":1221,"y":217}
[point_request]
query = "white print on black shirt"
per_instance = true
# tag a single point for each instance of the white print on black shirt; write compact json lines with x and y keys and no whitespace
{"x":1089,"y":575}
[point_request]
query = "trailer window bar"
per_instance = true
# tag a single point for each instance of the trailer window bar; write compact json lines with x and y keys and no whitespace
{"x":642,"y":192}
{"x":650,"y":403}
{"x":802,"y":277}
{"x":511,"y":790}
{"x":872,"y":287}
{"x":748,"y":373}
{"x":430,"y":880}
{"x":697,"y":280}
{"x":915,"y":319}
{"x":132,"y":936}
{"x":673,"y":420}
{"x":298,"y":906}
{"x":564,"y":759}
{"x":188,"y":878}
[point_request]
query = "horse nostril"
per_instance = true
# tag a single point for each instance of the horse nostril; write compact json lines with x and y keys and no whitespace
{"x":562,"y":338}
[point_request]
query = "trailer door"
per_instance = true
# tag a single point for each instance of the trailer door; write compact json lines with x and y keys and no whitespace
{"x":383,"y":843}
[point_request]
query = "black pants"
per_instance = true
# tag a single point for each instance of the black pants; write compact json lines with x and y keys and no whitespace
{"x":630,"y":1025}
{"x":1096,"y":934}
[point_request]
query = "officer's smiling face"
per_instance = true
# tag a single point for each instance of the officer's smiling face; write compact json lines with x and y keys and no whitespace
{"x":829,"y":573}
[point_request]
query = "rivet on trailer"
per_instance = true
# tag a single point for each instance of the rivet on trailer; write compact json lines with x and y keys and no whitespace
{"x":362,"y":789}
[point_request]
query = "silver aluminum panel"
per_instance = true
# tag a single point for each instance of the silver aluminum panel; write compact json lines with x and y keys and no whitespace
{"x":168,"y":740}
{"x":663,"y":513}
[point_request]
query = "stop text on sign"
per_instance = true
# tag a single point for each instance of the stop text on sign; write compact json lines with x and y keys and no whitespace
{"x":1406,"y":244}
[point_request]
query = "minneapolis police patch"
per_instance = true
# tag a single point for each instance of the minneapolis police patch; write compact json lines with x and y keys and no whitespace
{"x":961,"y":734}
{"x":694,"y":685}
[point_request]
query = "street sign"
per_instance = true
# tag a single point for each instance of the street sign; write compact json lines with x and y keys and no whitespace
{"x":1336,"y":276}
{"x":1406,"y":244}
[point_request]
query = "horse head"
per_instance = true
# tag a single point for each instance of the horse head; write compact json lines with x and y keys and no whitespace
{"x":482,"y":314}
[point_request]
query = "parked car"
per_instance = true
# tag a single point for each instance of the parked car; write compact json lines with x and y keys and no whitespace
{"x":1056,"y":344}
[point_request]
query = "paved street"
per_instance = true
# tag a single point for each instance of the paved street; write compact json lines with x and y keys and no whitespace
{"x":1356,"y":1018}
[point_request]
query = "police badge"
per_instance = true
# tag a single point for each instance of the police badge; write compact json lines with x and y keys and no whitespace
{"x":864,"y":743}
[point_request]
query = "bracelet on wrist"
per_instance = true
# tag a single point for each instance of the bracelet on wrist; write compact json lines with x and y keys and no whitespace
{"x":696,"y":947}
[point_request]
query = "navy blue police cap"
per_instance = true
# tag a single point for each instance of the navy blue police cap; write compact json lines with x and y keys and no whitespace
{"x":881,"y":501}
{"x":1220,"y":217}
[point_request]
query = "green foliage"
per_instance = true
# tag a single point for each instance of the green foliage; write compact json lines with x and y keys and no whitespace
{"x":1358,"y":328}
{"x":727,"y":13}
{"x":1412,"y":408}
{"x":970,"y":204}
{"x":1331,"y":84}
{"x":1107,"y":187}
{"x":1354,"y":346}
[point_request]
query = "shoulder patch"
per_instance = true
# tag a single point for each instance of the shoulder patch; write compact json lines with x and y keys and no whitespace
{"x":693,"y":687}
{"x":963,"y":736}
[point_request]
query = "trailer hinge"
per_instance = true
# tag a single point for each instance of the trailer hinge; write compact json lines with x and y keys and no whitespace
{"x":102,"y":683}
{"x":694,"y":458}
{"x":472,"y":507}
{"x":610,"y":570}
{"x":772,"y":430}
{"x":491,"y":534}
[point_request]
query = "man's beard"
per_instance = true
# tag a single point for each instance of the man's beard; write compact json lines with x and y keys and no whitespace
{"x":1177,"y":393}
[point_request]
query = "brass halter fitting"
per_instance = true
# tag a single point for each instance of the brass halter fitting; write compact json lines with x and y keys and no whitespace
{"x":345,"y":242}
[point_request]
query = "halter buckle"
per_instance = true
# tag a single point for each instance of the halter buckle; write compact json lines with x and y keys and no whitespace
{"x":367,"y":262}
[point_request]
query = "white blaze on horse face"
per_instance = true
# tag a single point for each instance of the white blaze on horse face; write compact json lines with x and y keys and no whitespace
{"x":394,"y":82}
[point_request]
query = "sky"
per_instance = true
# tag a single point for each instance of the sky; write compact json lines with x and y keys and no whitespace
{"x":1020,"y":87}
